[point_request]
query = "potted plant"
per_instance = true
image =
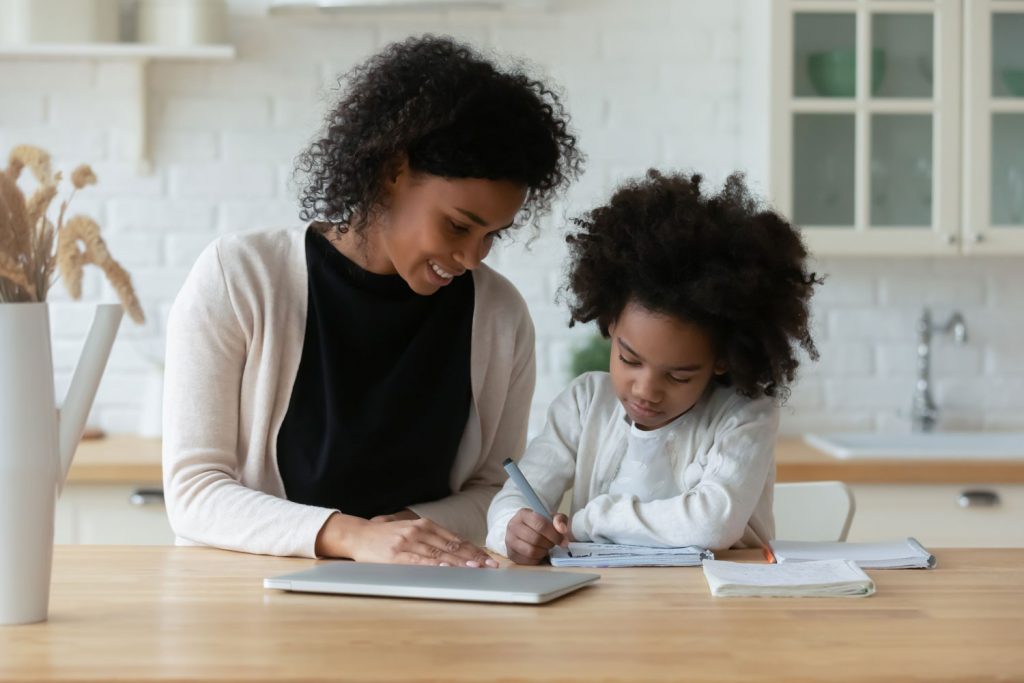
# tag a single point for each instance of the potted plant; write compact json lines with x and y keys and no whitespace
{"x":37,"y":441}
{"x":594,"y":355}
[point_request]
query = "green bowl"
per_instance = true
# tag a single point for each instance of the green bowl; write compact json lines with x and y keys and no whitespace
{"x":833,"y":73}
{"x":1013,"y":79}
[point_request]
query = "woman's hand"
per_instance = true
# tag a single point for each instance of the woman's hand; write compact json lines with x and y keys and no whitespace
{"x":530,"y":536}
{"x":417,"y":541}
{"x":404,"y":514}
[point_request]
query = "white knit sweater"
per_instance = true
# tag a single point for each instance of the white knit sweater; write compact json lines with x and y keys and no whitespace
{"x":234,"y":340}
{"x":721,"y":454}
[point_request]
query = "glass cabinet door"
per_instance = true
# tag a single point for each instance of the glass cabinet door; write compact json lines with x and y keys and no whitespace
{"x":901,"y":155}
{"x":994,"y":99}
{"x":901,"y":170}
{"x":1008,"y":170}
{"x":1007,"y":52}
{"x":1007,"y":167}
{"x":824,"y":67}
{"x":824,"y":54}
{"x":823,"y":169}
{"x":871,"y":131}
{"x":902,"y":55}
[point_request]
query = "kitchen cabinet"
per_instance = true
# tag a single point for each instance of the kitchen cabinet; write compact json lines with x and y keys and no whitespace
{"x":940,"y":516}
{"x":112,"y":514}
{"x":113,"y":494}
{"x":994,"y":127}
{"x":898,"y":125}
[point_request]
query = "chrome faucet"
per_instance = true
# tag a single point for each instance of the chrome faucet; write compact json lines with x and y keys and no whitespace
{"x":924,"y":413}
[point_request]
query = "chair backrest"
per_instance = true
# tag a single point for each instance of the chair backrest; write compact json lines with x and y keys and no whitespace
{"x":813,"y":511}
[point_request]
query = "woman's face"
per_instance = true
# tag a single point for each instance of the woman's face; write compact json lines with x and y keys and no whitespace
{"x":659,"y":365}
{"x":435,"y":229}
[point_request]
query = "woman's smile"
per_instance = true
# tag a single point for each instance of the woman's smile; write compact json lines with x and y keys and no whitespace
{"x":439,"y":274}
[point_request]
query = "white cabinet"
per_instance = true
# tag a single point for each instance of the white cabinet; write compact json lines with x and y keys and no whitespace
{"x":887,"y":113}
{"x":994,"y":126}
{"x":112,"y":514}
{"x":935,"y":516}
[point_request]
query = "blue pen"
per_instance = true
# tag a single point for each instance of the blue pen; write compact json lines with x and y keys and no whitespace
{"x":517,"y":477}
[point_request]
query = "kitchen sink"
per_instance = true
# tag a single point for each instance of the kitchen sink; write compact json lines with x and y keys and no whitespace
{"x":925,"y":446}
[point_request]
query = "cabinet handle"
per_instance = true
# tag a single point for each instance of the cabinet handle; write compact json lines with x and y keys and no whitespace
{"x":142,"y":497}
{"x":978,"y":498}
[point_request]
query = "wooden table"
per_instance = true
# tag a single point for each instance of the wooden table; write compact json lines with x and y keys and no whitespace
{"x":201,"y":614}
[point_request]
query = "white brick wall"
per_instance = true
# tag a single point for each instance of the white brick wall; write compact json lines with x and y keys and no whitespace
{"x":653,"y":82}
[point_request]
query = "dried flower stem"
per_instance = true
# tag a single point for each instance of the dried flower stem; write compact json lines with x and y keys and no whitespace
{"x":27,"y":255}
{"x":94,"y":250}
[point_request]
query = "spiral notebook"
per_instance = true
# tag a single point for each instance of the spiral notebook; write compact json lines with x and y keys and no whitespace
{"x":618,"y":555}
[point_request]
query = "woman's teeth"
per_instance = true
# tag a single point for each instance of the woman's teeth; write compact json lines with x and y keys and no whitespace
{"x":443,"y":273}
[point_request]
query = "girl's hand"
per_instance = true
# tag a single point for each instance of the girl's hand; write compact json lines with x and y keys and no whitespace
{"x":562,"y":526}
{"x":530,"y":536}
{"x":417,"y":541}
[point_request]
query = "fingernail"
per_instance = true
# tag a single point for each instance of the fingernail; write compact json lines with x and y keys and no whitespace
{"x":491,"y":563}
{"x":472,"y":563}
{"x":445,"y":564}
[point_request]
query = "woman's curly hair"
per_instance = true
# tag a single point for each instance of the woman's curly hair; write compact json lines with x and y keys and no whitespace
{"x":723,"y":262}
{"x":450,"y":113}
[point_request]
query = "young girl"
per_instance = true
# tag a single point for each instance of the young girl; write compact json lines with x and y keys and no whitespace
{"x":704,"y":298}
{"x":350,"y":389}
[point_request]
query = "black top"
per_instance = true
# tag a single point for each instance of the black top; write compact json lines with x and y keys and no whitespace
{"x":382,"y":392}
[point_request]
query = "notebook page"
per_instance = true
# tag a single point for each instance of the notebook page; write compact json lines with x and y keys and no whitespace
{"x":798,"y":574}
{"x":826,"y":578}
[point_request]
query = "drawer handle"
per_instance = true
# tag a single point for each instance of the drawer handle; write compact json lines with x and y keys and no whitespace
{"x":143,"y":497}
{"x":978,"y":498}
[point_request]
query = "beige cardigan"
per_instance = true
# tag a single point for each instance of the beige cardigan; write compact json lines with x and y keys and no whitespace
{"x":234,"y":339}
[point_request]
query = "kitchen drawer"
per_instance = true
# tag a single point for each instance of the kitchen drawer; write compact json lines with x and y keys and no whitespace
{"x":112,"y":514}
{"x":933,"y":514}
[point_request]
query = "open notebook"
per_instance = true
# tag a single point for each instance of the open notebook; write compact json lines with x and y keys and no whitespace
{"x":617,"y":555}
{"x":827,"y":578}
{"x":900,"y":554}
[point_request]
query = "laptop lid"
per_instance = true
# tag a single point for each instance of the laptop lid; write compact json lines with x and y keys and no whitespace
{"x":436,"y":583}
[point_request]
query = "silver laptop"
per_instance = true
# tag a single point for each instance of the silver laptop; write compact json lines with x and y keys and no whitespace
{"x":436,"y":583}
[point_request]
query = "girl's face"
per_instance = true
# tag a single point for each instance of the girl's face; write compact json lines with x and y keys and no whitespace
{"x":660,"y":365}
{"x":435,"y":229}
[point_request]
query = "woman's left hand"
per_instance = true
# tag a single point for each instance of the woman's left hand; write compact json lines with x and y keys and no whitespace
{"x":402,"y":515}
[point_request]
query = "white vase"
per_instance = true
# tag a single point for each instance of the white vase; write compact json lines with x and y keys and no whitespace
{"x":37,"y":443}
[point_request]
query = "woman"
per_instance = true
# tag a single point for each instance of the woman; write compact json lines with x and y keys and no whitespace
{"x":350,"y":390}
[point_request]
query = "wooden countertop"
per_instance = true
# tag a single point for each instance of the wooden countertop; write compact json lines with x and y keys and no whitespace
{"x":148,"y":613}
{"x":795,"y":460}
{"x":119,"y":459}
{"x":134,"y":460}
